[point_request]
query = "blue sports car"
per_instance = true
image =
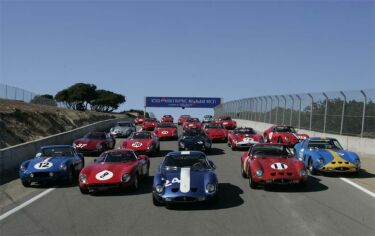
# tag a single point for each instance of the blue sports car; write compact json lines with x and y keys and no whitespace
{"x":186,"y":176}
{"x":326,"y":155}
{"x":52,"y":163}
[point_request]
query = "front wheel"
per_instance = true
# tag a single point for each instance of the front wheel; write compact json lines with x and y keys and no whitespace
{"x":243,"y":173}
{"x":135,"y":183}
{"x":155,"y":201}
{"x":252,"y":184}
{"x":311,"y":168}
{"x":84,"y":190}
{"x":26,"y":183}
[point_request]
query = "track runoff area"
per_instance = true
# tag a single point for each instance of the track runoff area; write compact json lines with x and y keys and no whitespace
{"x":327,"y":206}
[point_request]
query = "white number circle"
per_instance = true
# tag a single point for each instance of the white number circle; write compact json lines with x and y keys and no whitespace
{"x":104,"y":175}
{"x":43,"y":165}
{"x":270,"y":135}
{"x":137,"y":144}
{"x":164,"y":132}
{"x":279,"y":166}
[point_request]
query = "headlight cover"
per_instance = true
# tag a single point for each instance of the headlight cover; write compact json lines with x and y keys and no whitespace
{"x":82,"y":178}
{"x":321,"y":160}
{"x":210,"y":188}
{"x":22,"y":168}
{"x":259,"y":172}
{"x":125,"y":178}
{"x":303,"y":172}
{"x":159,"y":188}
{"x":63,"y":167}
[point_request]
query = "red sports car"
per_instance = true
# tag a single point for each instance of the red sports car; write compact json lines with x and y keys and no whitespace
{"x":243,"y":138}
{"x":167,"y":119}
{"x":139,"y":120}
{"x":227,"y":122}
{"x":192,"y":123}
{"x":115,"y":169}
{"x":149,"y":124}
{"x":142,"y":142}
{"x":283,"y":134}
{"x":182,"y":119}
{"x":166,"y":131}
{"x":215,"y":132}
{"x":266,"y":164}
{"x":94,"y":142}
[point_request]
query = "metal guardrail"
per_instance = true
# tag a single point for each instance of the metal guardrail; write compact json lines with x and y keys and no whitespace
{"x":345,"y":113}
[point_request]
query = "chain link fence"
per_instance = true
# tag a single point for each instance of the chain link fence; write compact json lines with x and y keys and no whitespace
{"x":13,"y":93}
{"x":347,"y":113}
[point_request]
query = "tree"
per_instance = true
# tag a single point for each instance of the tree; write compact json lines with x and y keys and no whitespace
{"x":45,"y":99}
{"x":77,"y":96}
{"x":106,"y":101}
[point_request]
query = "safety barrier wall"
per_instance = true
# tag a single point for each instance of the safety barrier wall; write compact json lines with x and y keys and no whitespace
{"x":355,"y":144}
{"x":12,"y":157}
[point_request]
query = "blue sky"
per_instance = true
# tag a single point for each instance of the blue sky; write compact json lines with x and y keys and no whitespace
{"x":229,"y":49}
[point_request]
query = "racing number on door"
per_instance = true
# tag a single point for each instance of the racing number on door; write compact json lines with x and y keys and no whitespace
{"x":43,"y":165}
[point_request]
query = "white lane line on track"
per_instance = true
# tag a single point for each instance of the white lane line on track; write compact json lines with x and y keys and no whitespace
{"x":372,"y":194}
{"x":25,"y":204}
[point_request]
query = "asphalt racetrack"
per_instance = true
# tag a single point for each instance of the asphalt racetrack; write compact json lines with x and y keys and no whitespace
{"x":327,"y":206}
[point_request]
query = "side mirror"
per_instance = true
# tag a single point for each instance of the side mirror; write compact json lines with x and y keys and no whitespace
{"x":212,"y":164}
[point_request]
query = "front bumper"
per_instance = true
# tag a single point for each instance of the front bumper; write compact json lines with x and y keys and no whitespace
{"x":280,"y":180}
{"x":44,"y":176}
{"x":106,"y":186}
{"x":244,"y":144}
{"x":183,"y":198}
{"x":343,"y":167}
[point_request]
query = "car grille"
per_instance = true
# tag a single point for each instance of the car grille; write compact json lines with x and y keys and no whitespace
{"x":342,"y":168}
{"x":281,"y":181}
{"x":185,"y":199}
{"x":339,"y":162}
{"x":41,"y":174}
{"x":281,"y":173}
{"x":175,"y":190}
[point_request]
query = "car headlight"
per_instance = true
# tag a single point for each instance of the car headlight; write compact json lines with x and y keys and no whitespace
{"x":99,"y":146}
{"x":63,"y":167}
{"x":303,"y":172}
{"x":210,"y":188}
{"x":286,"y":138}
{"x":125,"y":178}
{"x":82,"y":178}
{"x":321,"y":161}
{"x":357,"y":161}
{"x":182,"y":144}
{"x":259,"y":172}
{"x":159,"y":188}
{"x":22,"y":168}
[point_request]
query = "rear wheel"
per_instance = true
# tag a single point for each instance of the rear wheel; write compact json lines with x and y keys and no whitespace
{"x":311,"y":168}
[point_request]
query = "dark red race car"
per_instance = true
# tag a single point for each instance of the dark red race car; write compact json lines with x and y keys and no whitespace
{"x":142,"y":142}
{"x":167,"y":119}
{"x":215,"y":132}
{"x":149,"y":124}
{"x":283,"y":134}
{"x":227,"y":122}
{"x":115,"y":169}
{"x":243,"y":138}
{"x":139,"y":120}
{"x":182,"y":119}
{"x":266,"y":164}
{"x":166,"y":131}
{"x":192,"y":123}
{"x":94,"y":142}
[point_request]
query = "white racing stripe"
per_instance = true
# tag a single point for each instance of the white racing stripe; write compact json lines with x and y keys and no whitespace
{"x":25,"y":204}
{"x":185,"y":180}
{"x":372,"y":194}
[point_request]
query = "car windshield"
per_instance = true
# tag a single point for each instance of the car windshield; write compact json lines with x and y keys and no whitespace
{"x":167,"y":116}
{"x":193,"y":132}
{"x":140,"y":135}
{"x":56,"y":152}
{"x":185,"y":116}
{"x":270,"y":151}
{"x":165,"y":125}
{"x":286,"y":129}
{"x":193,"y":120}
{"x":213,"y":126}
{"x":96,"y":135}
{"x":225,"y":118}
{"x":179,"y":161}
{"x":123,"y":156}
{"x":150,"y":120}
{"x":324,"y":144}
{"x":124,"y":124}
{"x":207,"y":116}
{"x":244,"y":131}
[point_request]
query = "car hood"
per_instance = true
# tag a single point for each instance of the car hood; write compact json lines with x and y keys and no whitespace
{"x":196,"y":178}
{"x":244,"y":137}
{"x":277,"y":163}
{"x":122,"y":129}
{"x":339,"y":154}
{"x":89,"y":142}
{"x":191,"y":139}
{"x":138,"y":143}
{"x":107,"y":172}
{"x":47,"y":163}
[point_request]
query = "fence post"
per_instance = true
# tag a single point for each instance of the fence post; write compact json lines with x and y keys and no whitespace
{"x":6,"y":91}
{"x":299,"y":111}
{"x":284,"y":108}
{"x":256,"y":108}
{"x":343,"y":111}
{"x":311,"y":109}
{"x":291,"y":110}
{"x":270,"y":120}
{"x":265,"y":109}
{"x":261,"y":108}
{"x":325,"y":112}
{"x":15,"y":93}
{"x":364,"y":112}
{"x":277,"y":109}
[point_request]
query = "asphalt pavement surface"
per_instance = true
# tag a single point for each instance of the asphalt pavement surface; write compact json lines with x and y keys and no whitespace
{"x":327,"y":206}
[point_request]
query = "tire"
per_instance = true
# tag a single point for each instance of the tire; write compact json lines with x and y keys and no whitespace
{"x":135,"y":185}
{"x":252,"y":184}
{"x":310,"y":167}
{"x":156,"y":202}
{"x":70,"y":178}
{"x":233,"y":148}
{"x":84,"y":190}
{"x":26,"y":183}
{"x":243,"y":173}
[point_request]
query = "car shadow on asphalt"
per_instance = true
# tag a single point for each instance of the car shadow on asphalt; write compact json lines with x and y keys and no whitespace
{"x":363,"y":174}
{"x":313,"y":185}
{"x":161,"y":153}
{"x":229,"y":197}
{"x":215,"y":152}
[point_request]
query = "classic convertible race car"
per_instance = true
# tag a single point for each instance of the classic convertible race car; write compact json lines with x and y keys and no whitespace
{"x":186,"y":176}
{"x":122,"y":129}
{"x":167,"y":119}
{"x":215,"y":132}
{"x":283,"y":134}
{"x":227,"y":122}
{"x":52,"y":163}
{"x":243,"y":138}
{"x":327,"y":155}
{"x":194,"y":139}
{"x":142,"y":142}
{"x":114,"y":169}
{"x":149,"y":124}
{"x":94,"y":142}
{"x":166,"y":131}
{"x":266,"y":164}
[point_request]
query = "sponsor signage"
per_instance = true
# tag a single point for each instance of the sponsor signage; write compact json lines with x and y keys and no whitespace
{"x":184,"y":102}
